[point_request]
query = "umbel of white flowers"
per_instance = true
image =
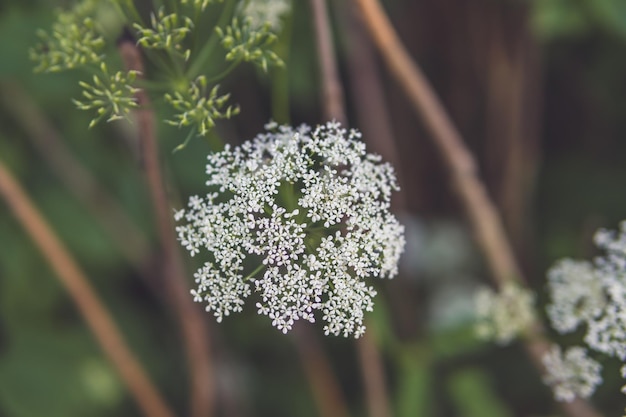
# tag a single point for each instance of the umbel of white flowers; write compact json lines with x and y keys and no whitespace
{"x":592,"y":295}
{"x":300,"y":216}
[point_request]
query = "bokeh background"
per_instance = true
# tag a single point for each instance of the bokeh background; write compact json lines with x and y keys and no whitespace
{"x":538,"y":91}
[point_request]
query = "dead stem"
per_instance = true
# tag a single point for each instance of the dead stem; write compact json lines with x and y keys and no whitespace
{"x":374,"y":375}
{"x":460,"y":163}
{"x":371,"y":110}
{"x":367,"y":93}
{"x":326,"y":390}
{"x":89,"y":305}
{"x":194,"y":330}
{"x":334,"y":108}
{"x":333,"y":97}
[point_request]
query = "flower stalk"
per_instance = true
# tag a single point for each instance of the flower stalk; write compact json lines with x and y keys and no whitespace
{"x":459,"y":161}
{"x":76,"y":283}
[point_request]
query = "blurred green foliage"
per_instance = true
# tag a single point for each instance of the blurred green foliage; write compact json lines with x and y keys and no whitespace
{"x":50,"y":364}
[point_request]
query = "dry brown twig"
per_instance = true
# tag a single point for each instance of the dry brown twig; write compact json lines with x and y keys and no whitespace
{"x":194,"y":330}
{"x":326,"y":390}
{"x":89,"y":305}
{"x":334,"y":108}
{"x":460,"y":163}
{"x":332,"y":92}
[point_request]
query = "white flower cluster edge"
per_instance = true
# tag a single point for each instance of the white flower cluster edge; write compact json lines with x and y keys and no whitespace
{"x":300,"y":216}
{"x":262,"y":12}
{"x":503,"y":315}
{"x":592,"y":295}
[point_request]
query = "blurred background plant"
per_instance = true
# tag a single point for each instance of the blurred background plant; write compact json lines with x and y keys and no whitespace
{"x":536,"y":89}
{"x":84,"y":35}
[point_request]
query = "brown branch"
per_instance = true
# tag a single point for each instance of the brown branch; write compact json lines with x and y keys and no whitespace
{"x":460,"y":163}
{"x":334,"y":108}
{"x":326,"y":390}
{"x":513,"y":102}
{"x":89,"y":305}
{"x":194,"y":330}
{"x":374,"y":375}
{"x":368,"y":95}
{"x":75,"y":176}
{"x":333,"y":97}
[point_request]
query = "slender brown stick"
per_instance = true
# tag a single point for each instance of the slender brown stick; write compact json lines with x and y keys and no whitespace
{"x":74,"y":175}
{"x":89,"y":305}
{"x":374,"y":375}
{"x":333,"y":97}
{"x":334,"y":108}
{"x":326,"y":390}
{"x":194,"y":330}
{"x":367,"y":94}
{"x":462,"y":167}
{"x":459,"y":161}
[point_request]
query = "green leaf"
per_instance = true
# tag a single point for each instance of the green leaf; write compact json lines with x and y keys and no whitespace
{"x":55,"y":375}
{"x":611,"y":14}
{"x":414,"y":392}
{"x":558,"y":18}
{"x":473,"y":394}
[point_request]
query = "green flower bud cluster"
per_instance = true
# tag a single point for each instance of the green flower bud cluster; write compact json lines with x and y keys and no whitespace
{"x":168,"y":33}
{"x":110,"y":95}
{"x":73,"y":42}
{"x":246,"y":42}
{"x":175,"y":58}
{"x":201,"y":4}
{"x":197,"y":108}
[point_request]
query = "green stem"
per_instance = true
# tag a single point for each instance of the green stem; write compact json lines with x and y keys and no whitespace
{"x":127,"y":9}
{"x":156,"y":58}
{"x":204,"y":54}
{"x":224,"y":73}
{"x":291,"y":196}
{"x":178,"y":69}
{"x":253,"y":273}
{"x":155,"y":86}
{"x":280,"y":76}
{"x":173,"y":5}
{"x":157,"y":4}
{"x":183,"y":145}
{"x":214,"y":141}
{"x":322,"y":228}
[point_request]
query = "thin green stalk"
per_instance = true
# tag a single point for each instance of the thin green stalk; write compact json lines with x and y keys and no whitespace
{"x":178,"y":69}
{"x":155,"y":86}
{"x":157,"y":4}
{"x":127,"y":9}
{"x":206,"y":51}
{"x":156,"y":58}
{"x":253,"y":273}
{"x":280,"y":76}
{"x":224,"y":73}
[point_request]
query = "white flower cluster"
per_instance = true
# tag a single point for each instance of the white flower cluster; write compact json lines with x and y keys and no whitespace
{"x":594,"y":295}
{"x":501,"y":316}
{"x":261,"y":12}
{"x":300,"y":216}
{"x":571,"y":375}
